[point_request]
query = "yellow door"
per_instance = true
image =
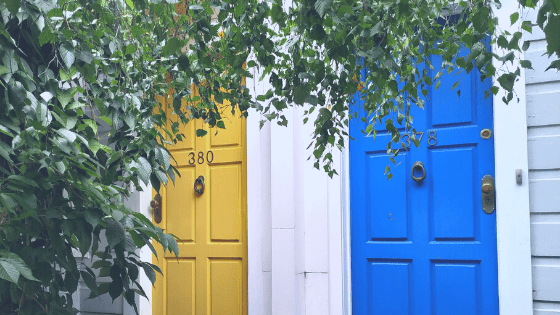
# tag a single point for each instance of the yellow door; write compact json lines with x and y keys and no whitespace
{"x":210,"y":276}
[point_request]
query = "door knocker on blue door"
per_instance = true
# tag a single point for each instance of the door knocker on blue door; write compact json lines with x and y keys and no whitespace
{"x":197,"y":182}
{"x":418,"y":166}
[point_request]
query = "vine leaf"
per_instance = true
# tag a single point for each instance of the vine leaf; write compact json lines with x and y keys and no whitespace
{"x":321,"y":6}
{"x":115,"y":233}
{"x":67,"y":56}
{"x":144,"y":169}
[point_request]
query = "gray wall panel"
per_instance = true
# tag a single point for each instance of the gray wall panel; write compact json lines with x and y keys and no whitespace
{"x":544,"y":195}
{"x":544,"y":152}
{"x":543,"y":109}
{"x":543,"y":136}
{"x":543,"y":288}
{"x":540,"y":62}
{"x":545,"y":240}
{"x":546,"y":308}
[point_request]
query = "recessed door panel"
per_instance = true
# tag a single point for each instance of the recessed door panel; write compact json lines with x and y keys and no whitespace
{"x":453,"y":207}
{"x":180,"y":199}
{"x":390,"y":294}
{"x":226,"y":286}
{"x":455,"y":287}
{"x":180,"y":286}
{"x":388,"y":217}
{"x":225,"y":203}
{"x":448,"y":107}
{"x":232,"y":123}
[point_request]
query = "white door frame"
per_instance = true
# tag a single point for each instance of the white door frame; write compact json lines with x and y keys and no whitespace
{"x":512,"y":200}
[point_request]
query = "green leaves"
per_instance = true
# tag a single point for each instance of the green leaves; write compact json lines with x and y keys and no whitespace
{"x":115,"y":233}
{"x":201,"y":132}
{"x":163,"y":157}
{"x":144,"y":169}
{"x":321,"y":6}
{"x":552,"y":35}
{"x":67,"y":55}
{"x":514,"y":17}
{"x":555,"y":6}
{"x":12,"y":266}
{"x":172,"y":46}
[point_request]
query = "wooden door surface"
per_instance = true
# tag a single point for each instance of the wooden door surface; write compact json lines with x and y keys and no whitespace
{"x":421,"y":242}
{"x":210,"y":276}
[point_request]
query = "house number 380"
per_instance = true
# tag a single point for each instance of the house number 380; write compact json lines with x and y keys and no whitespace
{"x":432,"y":138}
{"x":201,"y":157}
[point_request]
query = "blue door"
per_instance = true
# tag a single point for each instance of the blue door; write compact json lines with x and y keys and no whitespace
{"x":426,"y":246}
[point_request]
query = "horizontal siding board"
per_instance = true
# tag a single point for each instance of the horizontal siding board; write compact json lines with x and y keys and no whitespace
{"x":546,"y":283}
{"x":536,"y":35}
{"x":545,"y":240}
{"x":544,"y":152}
{"x":540,"y":62}
{"x":544,"y":195}
{"x":543,"y":109}
{"x":546,"y":308}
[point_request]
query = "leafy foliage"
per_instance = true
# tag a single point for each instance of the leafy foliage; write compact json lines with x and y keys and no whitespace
{"x":406,"y":47}
{"x":92,"y":92}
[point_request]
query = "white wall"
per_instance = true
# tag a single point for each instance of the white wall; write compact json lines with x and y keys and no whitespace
{"x":512,"y":199}
{"x":543,"y":131}
{"x":294,"y":211}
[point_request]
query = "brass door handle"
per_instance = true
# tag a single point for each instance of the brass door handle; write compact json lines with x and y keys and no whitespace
{"x":418,"y":166}
{"x":488,"y":194}
{"x":197,"y":182}
{"x":156,"y":206}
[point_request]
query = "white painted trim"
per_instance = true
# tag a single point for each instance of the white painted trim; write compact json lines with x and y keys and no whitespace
{"x":512,"y":200}
{"x":254,"y":215}
{"x":346,"y":233}
{"x":145,"y":305}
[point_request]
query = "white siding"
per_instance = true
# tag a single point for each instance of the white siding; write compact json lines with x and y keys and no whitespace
{"x":543,"y":120}
{"x":297,"y":212}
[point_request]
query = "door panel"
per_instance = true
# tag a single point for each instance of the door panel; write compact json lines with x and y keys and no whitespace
{"x":225,"y":203}
{"x":181,"y":221}
{"x":210,"y":276}
{"x":225,"y":297}
{"x":181,"y":292}
{"x":426,"y":247}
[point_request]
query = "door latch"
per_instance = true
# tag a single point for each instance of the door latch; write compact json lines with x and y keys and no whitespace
{"x":156,"y":207}
{"x":488,"y":194}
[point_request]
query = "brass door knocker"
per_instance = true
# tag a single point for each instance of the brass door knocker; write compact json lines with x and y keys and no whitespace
{"x":197,"y":182}
{"x":418,"y":166}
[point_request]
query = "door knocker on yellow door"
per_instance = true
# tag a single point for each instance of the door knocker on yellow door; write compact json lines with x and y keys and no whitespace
{"x":197,"y":182}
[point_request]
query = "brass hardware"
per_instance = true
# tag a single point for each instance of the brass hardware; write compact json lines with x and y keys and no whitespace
{"x":418,"y":166}
{"x":156,"y":206}
{"x":488,"y":194}
{"x":487,"y":188}
{"x":199,"y":181}
{"x":486,"y":134}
